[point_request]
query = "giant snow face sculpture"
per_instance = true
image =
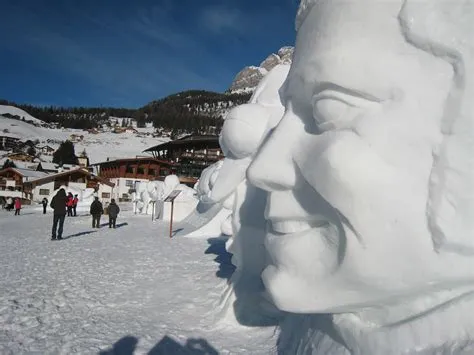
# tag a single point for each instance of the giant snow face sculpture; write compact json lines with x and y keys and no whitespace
{"x":367,"y":169}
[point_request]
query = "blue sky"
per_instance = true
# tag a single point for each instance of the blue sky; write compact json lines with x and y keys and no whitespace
{"x":125,"y":53}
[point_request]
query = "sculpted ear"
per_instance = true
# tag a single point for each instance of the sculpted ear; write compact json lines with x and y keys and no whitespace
{"x":444,"y":29}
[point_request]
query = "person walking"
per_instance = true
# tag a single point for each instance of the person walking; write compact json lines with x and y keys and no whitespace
{"x":17,"y":206}
{"x":75,"y":201}
{"x":113,"y":210}
{"x":96,"y":211}
{"x":58,"y":204}
{"x":69,"y":203}
{"x":9,"y":203}
{"x":44,"y":202}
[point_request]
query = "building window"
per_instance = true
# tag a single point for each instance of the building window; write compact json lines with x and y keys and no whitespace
{"x":44,"y":192}
{"x":140,"y":170}
{"x":151,"y":172}
{"x":164,"y":172}
{"x":105,"y":195}
{"x":129,"y":169}
{"x":129,"y":183}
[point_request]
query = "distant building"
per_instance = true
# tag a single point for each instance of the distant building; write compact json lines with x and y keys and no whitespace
{"x":76,"y":138}
{"x":37,"y":189}
{"x":45,"y":150}
{"x":126,"y":173}
{"x":20,"y":156}
{"x":189,"y":155}
{"x":83,"y":161}
{"x":8,"y":142}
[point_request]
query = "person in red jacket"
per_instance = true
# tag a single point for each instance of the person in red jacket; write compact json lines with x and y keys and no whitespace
{"x":69,"y":204}
{"x":75,"y":200}
{"x":17,"y":206}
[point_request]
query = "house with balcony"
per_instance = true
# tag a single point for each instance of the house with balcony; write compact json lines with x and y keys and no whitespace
{"x":126,"y":173}
{"x":37,"y":188}
{"x":13,"y":180}
{"x":189,"y":155}
{"x":45,"y":150}
{"x":8,"y":142}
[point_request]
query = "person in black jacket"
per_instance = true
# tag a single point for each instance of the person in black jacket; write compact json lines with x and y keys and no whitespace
{"x":113,"y":210}
{"x":44,"y":202}
{"x":58,"y":204}
{"x":96,"y":211}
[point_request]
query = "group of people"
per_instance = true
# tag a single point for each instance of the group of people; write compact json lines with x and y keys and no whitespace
{"x":63,"y":204}
{"x":10,"y":204}
{"x":71,"y":204}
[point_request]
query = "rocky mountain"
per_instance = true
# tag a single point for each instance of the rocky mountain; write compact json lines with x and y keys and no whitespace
{"x":249,"y":77}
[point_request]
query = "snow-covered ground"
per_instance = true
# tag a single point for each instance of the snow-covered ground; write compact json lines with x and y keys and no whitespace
{"x":112,"y":291}
{"x":98,"y":146}
{"x":15,"y":111}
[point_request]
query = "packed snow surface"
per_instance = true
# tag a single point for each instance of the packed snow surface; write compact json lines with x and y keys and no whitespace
{"x":105,"y":290}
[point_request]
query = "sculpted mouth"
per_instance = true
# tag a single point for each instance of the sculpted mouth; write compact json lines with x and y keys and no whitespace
{"x":296,"y":226}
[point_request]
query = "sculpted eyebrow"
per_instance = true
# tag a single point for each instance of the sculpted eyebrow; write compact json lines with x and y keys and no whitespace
{"x":328,"y":86}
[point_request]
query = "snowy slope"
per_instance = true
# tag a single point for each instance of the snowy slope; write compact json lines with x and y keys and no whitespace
{"x":98,"y":146}
{"x":98,"y":290}
{"x":15,"y":111}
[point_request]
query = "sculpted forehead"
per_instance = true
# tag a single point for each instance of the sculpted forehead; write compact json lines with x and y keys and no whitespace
{"x":349,"y":43}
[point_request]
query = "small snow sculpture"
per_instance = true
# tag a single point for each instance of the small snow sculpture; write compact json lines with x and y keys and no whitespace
{"x":149,"y":197}
{"x":370,"y":179}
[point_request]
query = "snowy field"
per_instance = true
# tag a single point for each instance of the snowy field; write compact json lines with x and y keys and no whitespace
{"x":126,"y":291}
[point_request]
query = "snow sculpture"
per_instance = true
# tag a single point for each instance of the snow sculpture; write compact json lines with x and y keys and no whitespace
{"x":209,"y":218}
{"x":369,"y":177}
{"x":149,"y":196}
{"x":244,"y":130}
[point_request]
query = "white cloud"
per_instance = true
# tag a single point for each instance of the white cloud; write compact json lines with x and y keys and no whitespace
{"x":220,"y":19}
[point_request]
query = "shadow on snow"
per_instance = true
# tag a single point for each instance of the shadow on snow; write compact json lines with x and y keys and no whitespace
{"x":166,"y":346}
{"x":79,"y":234}
{"x":223,"y":258}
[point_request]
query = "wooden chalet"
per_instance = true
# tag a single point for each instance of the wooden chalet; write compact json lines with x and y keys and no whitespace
{"x":189,"y":156}
{"x":145,"y":168}
{"x":80,"y":178}
{"x":13,"y":180}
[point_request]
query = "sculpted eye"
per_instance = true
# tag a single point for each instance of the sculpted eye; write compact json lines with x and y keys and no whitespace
{"x":333,"y":110}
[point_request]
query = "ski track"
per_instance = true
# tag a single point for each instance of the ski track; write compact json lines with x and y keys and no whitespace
{"x":85,"y":293}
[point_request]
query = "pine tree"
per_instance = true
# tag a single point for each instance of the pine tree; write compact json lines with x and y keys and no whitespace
{"x":31,"y":151}
{"x":65,"y":154}
{"x":8,"y":164}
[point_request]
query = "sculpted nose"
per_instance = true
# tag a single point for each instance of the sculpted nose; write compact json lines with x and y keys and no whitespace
{"x":273,"y":167}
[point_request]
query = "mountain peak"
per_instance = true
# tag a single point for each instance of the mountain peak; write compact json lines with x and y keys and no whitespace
{"x":249,"y":77}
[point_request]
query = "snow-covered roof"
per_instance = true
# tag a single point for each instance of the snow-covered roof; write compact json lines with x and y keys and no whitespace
{"x":51,"y":177}
{"x":49,"y":166}
{"x":29,"y":174}
{"x":25,"y":165}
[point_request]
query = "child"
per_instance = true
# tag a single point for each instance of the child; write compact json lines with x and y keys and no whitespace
{"x":75,"y":201}
{"x":69,"y":203}
{"x":113,"y":210}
